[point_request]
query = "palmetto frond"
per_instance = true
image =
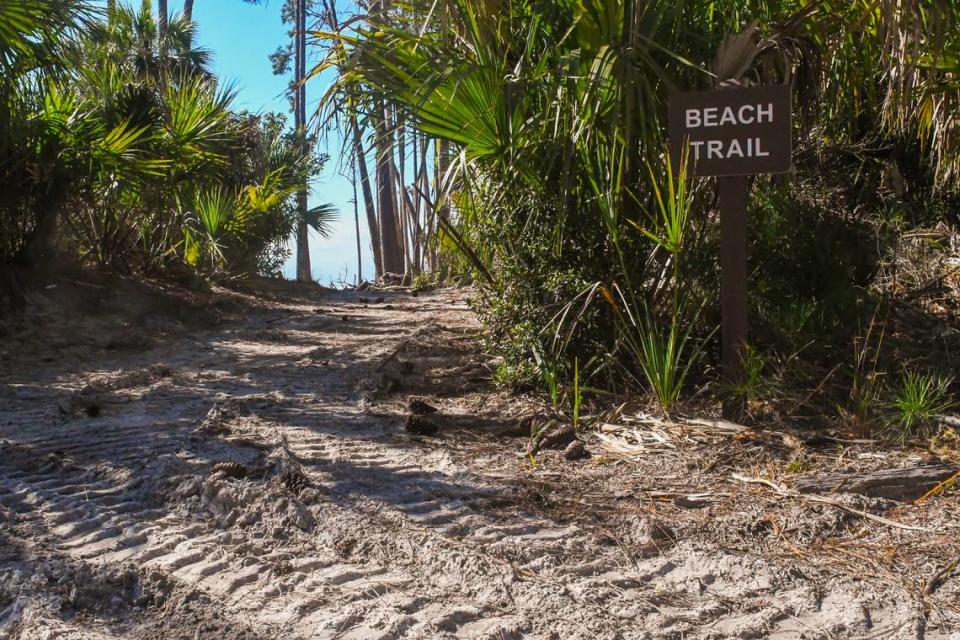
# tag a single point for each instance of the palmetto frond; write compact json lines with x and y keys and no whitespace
{"x":33,"y":33}
{"x":321,"y":218}
{"x":199,"y":119}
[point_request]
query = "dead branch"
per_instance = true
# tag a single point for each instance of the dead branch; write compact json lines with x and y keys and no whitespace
{"x":780,"y":489}
{"x":894,"y":484}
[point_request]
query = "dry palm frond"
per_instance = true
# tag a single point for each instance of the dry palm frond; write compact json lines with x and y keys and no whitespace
{"x":736,"y":54}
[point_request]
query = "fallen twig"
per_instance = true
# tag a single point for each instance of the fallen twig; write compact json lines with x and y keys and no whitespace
{"x":936,"y":581}
{"x":940,"y":488}
{"x":721,"y":426}
{"x":824,"y":500}
{"x":779,"y":488}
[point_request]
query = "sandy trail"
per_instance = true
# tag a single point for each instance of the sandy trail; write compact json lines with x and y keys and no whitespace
{"x":254,"y":480}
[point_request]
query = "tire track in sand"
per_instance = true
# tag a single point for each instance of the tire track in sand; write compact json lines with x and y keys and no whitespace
{"x":392,"y":538}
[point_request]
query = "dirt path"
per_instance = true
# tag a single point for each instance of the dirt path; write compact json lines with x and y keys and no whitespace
{"x":254,"y":480}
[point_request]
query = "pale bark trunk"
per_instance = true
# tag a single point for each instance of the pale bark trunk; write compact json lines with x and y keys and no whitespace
{"x":422,"y":187}
{"x":356,"y":226}
{"x":401,"y":180}
{"x":406,"y":204}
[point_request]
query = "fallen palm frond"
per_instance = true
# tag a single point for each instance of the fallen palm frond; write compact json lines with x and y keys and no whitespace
{"x":635,"y":435}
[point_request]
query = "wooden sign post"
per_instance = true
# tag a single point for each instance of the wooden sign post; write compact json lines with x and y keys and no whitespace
{"x":732,"y":133}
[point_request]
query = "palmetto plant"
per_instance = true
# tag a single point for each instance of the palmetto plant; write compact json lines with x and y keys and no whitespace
{"x":132,"y":38}
{"x":664,"y":346}
{"x":116,"y":135}
{"x":205,"y":232}
{"x":199,"y":125}
{"x":35,"y":41}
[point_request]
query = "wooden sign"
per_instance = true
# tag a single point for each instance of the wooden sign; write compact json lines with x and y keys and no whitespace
{"x":732,"y":132}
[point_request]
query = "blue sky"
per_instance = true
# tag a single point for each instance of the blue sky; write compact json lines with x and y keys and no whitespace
{"x":241,"y":37}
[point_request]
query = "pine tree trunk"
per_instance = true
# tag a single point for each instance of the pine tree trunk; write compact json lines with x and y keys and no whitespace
{"x":360,"y":158}
{"x":303,"y":246}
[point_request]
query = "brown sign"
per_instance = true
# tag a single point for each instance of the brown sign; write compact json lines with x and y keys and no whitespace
{"x":732,"y":132}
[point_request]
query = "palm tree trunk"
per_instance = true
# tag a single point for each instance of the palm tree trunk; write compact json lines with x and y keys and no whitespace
{"x":442,"y":213}
{"x":368,"y":202}
{"x":300,"y":44}
{"x":188,"y":9}
{"x":389,"y":245}
{"x":162,"y":15}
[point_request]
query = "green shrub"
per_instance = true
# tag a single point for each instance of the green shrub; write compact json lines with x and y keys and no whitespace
{"x":810,"y":269}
